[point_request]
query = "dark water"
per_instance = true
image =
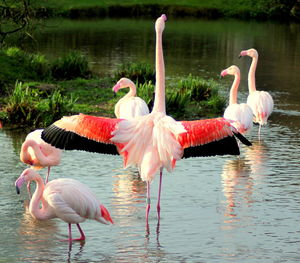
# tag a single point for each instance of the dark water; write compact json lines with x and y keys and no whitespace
{"x":217,"y":209}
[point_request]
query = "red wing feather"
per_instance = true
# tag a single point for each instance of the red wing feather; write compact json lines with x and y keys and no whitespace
{"x":83,"y":132}
{"x":94,"y":128}
{"x":201,"y":132}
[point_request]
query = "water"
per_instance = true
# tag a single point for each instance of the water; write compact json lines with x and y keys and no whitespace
{"x":216,"y":209}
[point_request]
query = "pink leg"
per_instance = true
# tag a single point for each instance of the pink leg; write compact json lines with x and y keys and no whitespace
{"x":148,"y":201}
{"x":47,"y":177}
{"x":159,"y":194}
{"x":259,"y":131}
{"x":82,"y":237}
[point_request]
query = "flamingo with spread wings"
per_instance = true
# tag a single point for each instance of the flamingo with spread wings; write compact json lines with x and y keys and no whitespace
{"x":151,"y":142}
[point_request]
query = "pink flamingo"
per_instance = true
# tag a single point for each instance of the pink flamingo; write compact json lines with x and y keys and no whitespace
{"x":261,"y":102}
{"x":129,"y":106}
{"x":39,"y":154}
{"x":239,"y":114}
{"x":67,"y":199}
{"x":151,"y":142}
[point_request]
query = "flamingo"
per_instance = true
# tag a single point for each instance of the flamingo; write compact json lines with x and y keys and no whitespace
{"x":129,"y":106}
{"x":64,"y":198}
{"x":39,"y":154}
{"x":261,"y":102}
{"x":151,"y":142}
{"x":239,"y":114}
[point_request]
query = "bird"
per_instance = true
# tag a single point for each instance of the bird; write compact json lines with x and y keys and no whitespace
{"x":261,"y":102}
{"x":240,"y":115}
{"x":64,"y":198}
{"x":39,"y":154}
{"x":130,"y":106}
{"x":150,"y":142}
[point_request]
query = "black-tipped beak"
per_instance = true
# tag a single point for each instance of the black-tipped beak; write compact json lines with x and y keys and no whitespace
{"x":240,"y":56}
{"x":18,"y":190}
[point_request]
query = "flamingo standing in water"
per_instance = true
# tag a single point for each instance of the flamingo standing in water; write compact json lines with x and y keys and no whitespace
{"x":239,"y":114}
{"x":261,"y":102}
{"x":67,"y":199}
{"x":151,"y":142}
{"x":130,"y":106}
{"x":39,"y":154}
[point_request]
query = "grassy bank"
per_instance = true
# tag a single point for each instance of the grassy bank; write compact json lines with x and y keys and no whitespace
{"x":263,"y":9}
{"x":36,"y":91}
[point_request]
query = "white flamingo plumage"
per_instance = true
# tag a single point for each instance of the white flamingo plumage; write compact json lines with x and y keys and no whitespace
{"x":240,"y":114}
{"x":151,"y":142}
{"x":64,"y":198}
{"x":130,"y":106}
{"x":261,"y":102}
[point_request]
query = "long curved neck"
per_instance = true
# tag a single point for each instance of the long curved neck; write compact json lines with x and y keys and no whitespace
{"x":34,"y":207}
{"x":251,"y":75}
{"x":234,"y":89}
{"x":132,"y":90}
{"x":159,"y":99}
{"x":24,"y":155}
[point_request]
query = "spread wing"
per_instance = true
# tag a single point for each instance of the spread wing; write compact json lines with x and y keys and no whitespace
{"x":83,"y":132}
{"x":210,"y":137}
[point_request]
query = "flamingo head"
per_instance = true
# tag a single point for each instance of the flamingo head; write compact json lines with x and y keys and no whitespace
{"x":249,"y":52}
{"x":123,"y":83}
{"x":26,"y":176}
{"x":160,"y":23}
{"x":232,"y":70}
{"x":105,"y":216}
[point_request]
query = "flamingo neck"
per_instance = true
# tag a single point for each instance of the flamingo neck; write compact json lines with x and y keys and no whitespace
{"x":234,"y":89}
{"x":34,"y":207}
{"x":132,"y":90}
{"x":251,"y":75}
{"x":159,"y":99}
{"x":25,"y":156}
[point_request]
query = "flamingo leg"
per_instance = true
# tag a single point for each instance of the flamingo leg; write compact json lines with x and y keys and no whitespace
{"x":159,"y":194}
{"x":259,"y":131}
{"x":148,"y":201}
{"x":82,"y":237}
{"x":47,"y":177}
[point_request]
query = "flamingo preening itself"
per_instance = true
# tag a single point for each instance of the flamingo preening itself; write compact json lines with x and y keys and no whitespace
{"x":39,"y":154}
{"x":151,"y":142}
{"x":130,"y":106}
{"x":261,"y":102}
{"x":67,"y":199}
{"x":241,"y":114}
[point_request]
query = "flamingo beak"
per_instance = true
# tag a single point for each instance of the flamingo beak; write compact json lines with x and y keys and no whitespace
{"x":223,"y":73}
{"x":105,"y":214}
{"x":116,"y":88}
{"x":243,"y":53}
{"x":19,"y":182}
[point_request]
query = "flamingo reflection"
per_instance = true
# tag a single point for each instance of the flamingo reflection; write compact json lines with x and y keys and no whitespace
{"x":257,"y":156}
{"x":237,"y":188}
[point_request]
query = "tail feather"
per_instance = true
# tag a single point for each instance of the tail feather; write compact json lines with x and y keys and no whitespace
{"x":243,"y":139}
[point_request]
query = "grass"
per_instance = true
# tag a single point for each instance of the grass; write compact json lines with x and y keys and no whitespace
{"x":37,"y":102}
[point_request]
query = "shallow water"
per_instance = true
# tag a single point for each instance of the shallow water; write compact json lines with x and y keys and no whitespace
{"x":216,"y":209}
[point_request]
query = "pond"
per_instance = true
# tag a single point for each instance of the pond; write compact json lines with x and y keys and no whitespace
{"x":216,"y":209}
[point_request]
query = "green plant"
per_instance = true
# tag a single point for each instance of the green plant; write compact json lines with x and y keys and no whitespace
{"x":137,"y":72}
{"x":73,"y":65}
